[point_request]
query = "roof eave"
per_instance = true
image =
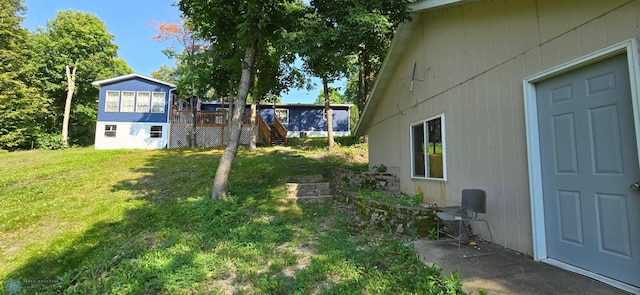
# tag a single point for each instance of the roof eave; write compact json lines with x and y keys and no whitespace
{"x":398,"y":44}
{"x":129,"y":76}
{"x":423,"y":5}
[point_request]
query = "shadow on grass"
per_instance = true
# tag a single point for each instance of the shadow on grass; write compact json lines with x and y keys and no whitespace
{"x":172,"y":238}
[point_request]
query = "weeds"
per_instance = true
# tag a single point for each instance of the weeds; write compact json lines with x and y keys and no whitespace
{"x":402,"y":200}
{"x":81,"y":221}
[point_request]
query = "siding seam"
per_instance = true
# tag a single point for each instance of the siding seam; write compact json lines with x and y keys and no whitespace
{"x":500,"y":64}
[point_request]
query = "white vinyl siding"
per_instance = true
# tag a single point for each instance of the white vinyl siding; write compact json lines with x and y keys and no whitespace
{"x":131,"y":135}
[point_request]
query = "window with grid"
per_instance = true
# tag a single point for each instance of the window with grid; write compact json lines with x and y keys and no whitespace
{"x":157,"y":102}
{"x":156,"y":131}
{"x":142,"y":101}
{"x":112,"y":101}
{"x":110,"y":130}
{"x":127,"y":101}
{"x":282,"y":115}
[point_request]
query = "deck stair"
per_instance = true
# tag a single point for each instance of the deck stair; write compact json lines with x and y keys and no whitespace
{"x":276,"y":138}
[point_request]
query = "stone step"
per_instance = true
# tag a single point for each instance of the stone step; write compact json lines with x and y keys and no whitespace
{"x":307,"y":178}
{"x":308,"y":189}
{"x":307,"y":186}
{"x":309,"y":199}
{"x":307,"y":193}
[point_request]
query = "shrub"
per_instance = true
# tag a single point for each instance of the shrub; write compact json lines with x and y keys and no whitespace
{"x":47,"y":141}
{"x":381,"y":168}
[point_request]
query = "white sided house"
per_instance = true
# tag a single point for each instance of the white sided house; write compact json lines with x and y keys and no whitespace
{"x":537,"y":103}
{"x":133,"y":113}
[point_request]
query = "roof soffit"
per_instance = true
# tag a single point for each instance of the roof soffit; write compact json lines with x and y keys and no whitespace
{"x":130,"y":76}
{"x":398,"y":45}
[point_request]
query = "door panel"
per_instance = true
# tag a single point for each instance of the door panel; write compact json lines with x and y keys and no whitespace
{"x":605,"y":139}
{"x":589,"y":159}
{"x":570,"y":216}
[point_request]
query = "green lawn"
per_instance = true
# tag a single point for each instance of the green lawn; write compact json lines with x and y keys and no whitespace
{"x":81,"y":221}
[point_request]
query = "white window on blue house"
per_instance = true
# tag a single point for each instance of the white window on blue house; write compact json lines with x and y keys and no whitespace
{"x":157,"y":102}
{"x":112,"y":101}
{"x":428,"y":149}
{"x":156,"y":131}
{"x":224,"y":118}
{"x":110,"y":130}
{"x":127,"y":101}
{"x":142,"y":101}
{"x":282,"y":115}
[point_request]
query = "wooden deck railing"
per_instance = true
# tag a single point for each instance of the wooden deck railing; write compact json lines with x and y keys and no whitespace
{"x":280,"y":129}
{"x":206,"y":118}
{"x":264,"y":129}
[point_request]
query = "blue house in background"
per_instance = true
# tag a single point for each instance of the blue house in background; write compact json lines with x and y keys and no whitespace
{"x":133,"y":112}
{"x":301,"y":120}
{"x":140,"y":112}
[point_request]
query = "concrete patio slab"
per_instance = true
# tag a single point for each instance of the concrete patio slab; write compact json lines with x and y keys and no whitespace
{"x":505,"y":272}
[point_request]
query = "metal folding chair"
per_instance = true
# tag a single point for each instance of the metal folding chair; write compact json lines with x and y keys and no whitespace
{"x":474,"y":201}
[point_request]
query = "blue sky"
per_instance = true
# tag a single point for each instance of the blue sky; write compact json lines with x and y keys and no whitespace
{"x":127,"y":21}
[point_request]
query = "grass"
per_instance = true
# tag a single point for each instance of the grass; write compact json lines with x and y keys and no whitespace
{"x":81,"y":221}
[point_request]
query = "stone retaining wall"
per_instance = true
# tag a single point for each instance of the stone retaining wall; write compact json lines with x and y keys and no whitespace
{"x":410,"y":221}
{"x":344,"y":180}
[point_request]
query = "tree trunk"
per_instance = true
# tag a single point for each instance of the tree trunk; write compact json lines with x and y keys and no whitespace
{"x":361,"y":101}
{"x":367,"y":77}
{"x":220,"y":183}
{"x":71,"y":86}
{"x":327,"y":108}
{"x":229,"y":112}
{"x":254,"y":135}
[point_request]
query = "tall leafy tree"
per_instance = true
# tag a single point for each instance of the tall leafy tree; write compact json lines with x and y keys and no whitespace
{"x":368,"y":27}
{"x":165,"y":73}
{"x":364,"y":30}
{"x":192,"y":77}
{"x":347,"y":38}
{"x":323,"y":52}
{"x":73,"y":50}
{"x":246,"y":30}
{"x":22,"y":108}
{"x":334,"y":96}
{"x":191,"y":74}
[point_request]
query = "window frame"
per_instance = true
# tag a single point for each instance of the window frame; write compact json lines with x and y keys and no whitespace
{"x":225,"y":119}
{"x":132,"y":107}
{"x":275,"y":111}
{"x":110,"y":130}
{"x":148,"y":101}
{"x":154,"y":101}
{"x":155,"y":133}
{"x":425,"y":143}
{"x":115,"y":101}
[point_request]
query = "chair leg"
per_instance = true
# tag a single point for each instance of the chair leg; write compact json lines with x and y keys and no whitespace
{"x":489,"y":229}
{"x":460,"y":238}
